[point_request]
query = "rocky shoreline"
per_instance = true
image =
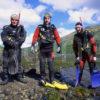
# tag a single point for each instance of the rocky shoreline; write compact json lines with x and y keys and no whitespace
{"x":15,"y":90}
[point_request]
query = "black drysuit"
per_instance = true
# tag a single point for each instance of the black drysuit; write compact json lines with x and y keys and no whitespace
{"x":12,"y":37}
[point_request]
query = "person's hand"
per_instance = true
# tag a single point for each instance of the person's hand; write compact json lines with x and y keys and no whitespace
{"x":77,"y":60}
{"x":94,"y":58}
{"x":13,"y":43}
{"x":16,"y":44}
{"x":34,"y":49}
{"x":58,"y":49}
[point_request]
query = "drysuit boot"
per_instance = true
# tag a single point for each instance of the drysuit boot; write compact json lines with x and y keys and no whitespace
{"x":21,"y":79}
{"x":42,"y":79}
{"x":5,"y":79}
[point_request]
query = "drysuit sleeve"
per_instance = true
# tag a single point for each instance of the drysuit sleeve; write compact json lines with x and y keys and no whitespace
{"x":22,"y":36}
{"x":57,"y":37}
{"x":93,"y":44}
{"x":35,"y":36}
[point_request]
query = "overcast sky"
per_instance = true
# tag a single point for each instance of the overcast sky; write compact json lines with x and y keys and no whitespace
{"x":65,"y":13}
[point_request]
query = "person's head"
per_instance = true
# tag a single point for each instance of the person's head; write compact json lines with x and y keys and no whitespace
{"x":79,"y":27}
{"x":47,"y":18}
{"x":14,"y":19}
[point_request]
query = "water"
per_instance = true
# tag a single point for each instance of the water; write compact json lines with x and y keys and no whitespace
{"x":69,"y":76}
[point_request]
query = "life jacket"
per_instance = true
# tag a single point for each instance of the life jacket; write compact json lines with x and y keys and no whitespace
{"x":46,"y":34}
{"x":83,"y":42}
{"x":46,"y":37}
{"x":12,"y":32}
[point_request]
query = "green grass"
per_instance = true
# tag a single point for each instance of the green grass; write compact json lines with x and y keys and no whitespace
{"x":52,"y":95}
